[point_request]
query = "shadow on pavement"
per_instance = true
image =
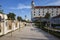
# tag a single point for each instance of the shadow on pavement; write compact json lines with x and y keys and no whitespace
{"x":33,"y":39}
{"x":46,"y":34}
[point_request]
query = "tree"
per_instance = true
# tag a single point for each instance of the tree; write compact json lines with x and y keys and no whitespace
{"x":1,"y":10}
{"x":11,"y":16}
{"x":19,"y":18}
{"x":47,"y":16}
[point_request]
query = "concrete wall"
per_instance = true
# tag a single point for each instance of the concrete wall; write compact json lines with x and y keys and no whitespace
{"x":1,"y":28}
{"x":5,"y":26}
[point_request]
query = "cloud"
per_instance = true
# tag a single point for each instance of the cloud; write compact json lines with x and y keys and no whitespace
{"x":56,"y":3}
{"x":21,"y":6}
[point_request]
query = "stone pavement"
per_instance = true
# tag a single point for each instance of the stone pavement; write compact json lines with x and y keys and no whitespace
{"x":28,"y":33}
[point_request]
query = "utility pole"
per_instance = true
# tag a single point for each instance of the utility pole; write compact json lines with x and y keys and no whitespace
{"x":25,"y":17}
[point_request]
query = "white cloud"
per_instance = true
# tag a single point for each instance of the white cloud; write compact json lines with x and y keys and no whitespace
{"x":21,"y":6}
{"x":56,"y":3}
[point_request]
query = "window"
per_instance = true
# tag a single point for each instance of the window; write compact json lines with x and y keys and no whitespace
{"x":57,"y":10}
{"x":39,"y":14}
{"x":39,"y":11}
{"x":56,"y":13}
{"x":52,"y":14}
{"x":43,"y":11}
{"x":34,"y":11}
{"x":52,"y":10}
{"x":34,"y":14}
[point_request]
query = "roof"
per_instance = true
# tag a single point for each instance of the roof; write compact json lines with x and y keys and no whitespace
{"x":46,"y":7}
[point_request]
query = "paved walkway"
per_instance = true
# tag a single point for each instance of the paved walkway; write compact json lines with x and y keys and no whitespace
{"x":28,"y":33}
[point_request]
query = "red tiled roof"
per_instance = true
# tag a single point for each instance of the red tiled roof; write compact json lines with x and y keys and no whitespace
{"x":47,"y":7}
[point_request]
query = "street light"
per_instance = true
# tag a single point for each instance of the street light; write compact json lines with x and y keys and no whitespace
{"x":25,"y":19}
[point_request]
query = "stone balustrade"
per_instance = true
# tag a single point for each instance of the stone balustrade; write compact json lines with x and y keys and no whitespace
{"x":8,"y":26}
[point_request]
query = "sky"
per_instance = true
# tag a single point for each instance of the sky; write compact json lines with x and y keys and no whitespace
{"x":23,"y":7}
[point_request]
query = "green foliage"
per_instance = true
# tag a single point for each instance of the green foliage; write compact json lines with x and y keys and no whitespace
{"x":47,"y":16}
{"x":39,"y":24}
{"x":24,"y":21}
{"x":54,"y":25}
{"x":55,"y":33}
{"x":1,"y":12}
{"x":11,"y":16}
{"x":19,"y":18}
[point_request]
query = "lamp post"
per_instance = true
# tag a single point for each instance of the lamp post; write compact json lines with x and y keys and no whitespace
{"x":25,"y":19}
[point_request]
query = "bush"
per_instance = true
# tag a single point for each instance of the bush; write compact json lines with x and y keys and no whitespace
{"x":42,"y":26}
{"x":54,"y":25}
{"x":55,"y":33}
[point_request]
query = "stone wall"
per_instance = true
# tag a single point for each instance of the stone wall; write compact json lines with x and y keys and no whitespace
{"x":8,"y":26}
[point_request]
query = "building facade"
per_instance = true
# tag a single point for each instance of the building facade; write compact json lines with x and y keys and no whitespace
{"x":40,"y":11}
{"x":55,"y":21}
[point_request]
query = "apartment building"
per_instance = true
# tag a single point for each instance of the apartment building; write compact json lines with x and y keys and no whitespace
{"x":40,"y":11}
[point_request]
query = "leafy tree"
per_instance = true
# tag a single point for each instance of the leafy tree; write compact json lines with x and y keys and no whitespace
{"x":1,"y":10}
{"x":19,"y":18}
{"x":11,"y":16}
{"x":47,"y":16}
{"x":24,"y":21}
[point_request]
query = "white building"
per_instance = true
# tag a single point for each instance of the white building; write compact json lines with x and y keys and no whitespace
{"x":40,"y":11}
{"x":3,"y":21}
{"x":55,"y":21}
